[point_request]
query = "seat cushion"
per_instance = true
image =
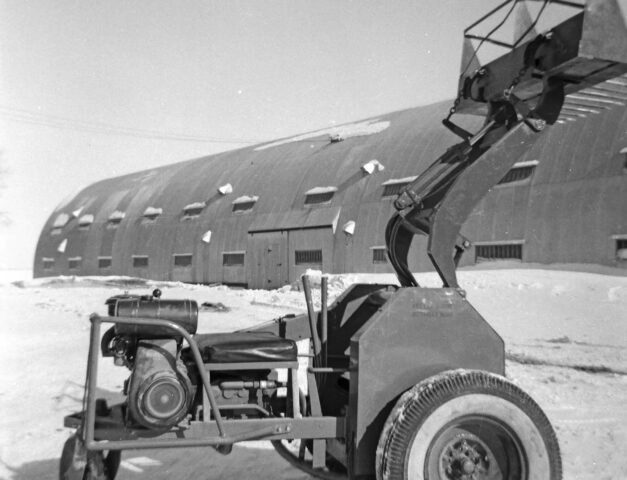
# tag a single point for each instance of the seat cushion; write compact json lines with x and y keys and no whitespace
{"x":242,"y":347}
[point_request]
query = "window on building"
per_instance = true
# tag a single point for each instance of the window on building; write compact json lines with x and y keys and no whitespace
{"x":182,"y":259}
{"x":48,"y":263}
{"x":85,"y":221}
{"x":152,"y":213}
{"x":498,"y":251}
{"x":319,"y":195}
{"x":115,"y":218}
{"x":60,"y":221}
{"x":74,"y":263}
{"x":392,"y":187}
{"x":233,"y":259}
{"x":193,"y":210}
{"x":379,"y":255}
{"x":519,"y":172}
{"x":621,"y":249}
{"x":308,"y":257}
{"x":140,"y":261}
{"x":104,"y":262}
{"x":244,"y":204}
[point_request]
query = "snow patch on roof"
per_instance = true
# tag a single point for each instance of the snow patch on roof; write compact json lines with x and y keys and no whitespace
{"x":195,"y":206}
{"x":342,"y":132}
{"x":319,"y":190}
{"x":117,"y":215}
{"x":528,"y":163}
{"x":349,"y":228}
{"x":372,"y":166}
{"x":153,"y":212}
{"x":225,"y":189}
{"x":245,"y":199}
{"x":62,"y":246}
{"x":86,"y":219}
{"x":394,"y":181}
{"x":61,"y":220}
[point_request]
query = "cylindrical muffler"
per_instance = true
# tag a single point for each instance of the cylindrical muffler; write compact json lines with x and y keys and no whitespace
{"x":181,"y":312}
{"x":160,"y":392}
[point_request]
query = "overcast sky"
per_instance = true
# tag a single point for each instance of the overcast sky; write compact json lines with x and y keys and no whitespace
{"x":93,"y":89}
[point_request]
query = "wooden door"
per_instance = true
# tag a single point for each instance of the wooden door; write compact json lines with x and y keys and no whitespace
{"x":268,"y":268}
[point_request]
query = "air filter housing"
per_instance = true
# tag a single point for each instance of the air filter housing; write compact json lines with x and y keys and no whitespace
{"x":159,"y":391}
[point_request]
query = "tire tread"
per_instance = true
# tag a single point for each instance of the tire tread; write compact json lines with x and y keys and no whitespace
{"x":421,"y":400}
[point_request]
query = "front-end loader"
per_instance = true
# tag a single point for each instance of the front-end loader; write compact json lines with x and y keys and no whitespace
{"x":403,"y":382}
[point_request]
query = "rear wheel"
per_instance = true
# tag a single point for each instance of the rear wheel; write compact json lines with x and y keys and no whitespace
{"x":467,"y":425}
{"x":79,"y":464}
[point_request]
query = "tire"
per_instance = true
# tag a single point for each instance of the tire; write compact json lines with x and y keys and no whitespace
{"x":467,"y":425}
{"x":78,"y":464}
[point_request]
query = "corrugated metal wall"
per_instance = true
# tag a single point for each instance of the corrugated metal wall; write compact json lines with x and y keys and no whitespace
{"x":569,"y":210}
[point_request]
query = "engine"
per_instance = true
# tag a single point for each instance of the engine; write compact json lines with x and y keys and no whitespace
{"x":164,"y":386}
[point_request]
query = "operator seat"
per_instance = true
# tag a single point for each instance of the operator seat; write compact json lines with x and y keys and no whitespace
{"x":243,"y":347}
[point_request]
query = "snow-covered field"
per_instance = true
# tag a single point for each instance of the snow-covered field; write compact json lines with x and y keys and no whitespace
{"x":566,"y":335}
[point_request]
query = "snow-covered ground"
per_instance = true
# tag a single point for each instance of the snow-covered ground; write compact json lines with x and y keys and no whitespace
{"x":566,"y":335}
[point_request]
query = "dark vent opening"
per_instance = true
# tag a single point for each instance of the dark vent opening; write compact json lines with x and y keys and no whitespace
{"x":393,"y":189}
{"x":308,"y":257}
{"x":140,"y":262}
{"x":318,"y":198}
{"x":104,"y":262}
{"x":113,"y":222}
{"x":379,"y":255}
{"x":518,"y":174}
{"x":74,"y":263}
{"x":621,"y":249}
{"x":232,"y":259}
{"x":48,"y":263}
{"x":183,"y":260}
{"x":192,"y":212}
{"x":498,"y":252}
{"x":243,"y":206}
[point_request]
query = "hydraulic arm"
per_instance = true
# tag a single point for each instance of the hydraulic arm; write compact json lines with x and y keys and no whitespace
{"x":519,"y":93}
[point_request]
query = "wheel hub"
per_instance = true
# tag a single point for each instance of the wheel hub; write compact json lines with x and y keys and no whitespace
{"x":465,"y":457}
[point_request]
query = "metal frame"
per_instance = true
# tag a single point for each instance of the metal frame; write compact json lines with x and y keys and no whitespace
{"x":486,"y":38}
{"x":116,"y":436}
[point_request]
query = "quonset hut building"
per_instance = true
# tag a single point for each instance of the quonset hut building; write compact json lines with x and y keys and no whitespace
{"x":260,"y":216}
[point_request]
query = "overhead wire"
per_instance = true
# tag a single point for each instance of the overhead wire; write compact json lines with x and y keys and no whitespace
{"x":54,"y":121}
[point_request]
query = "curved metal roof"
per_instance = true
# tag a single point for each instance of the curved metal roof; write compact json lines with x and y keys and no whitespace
{"x":573,"y":157}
